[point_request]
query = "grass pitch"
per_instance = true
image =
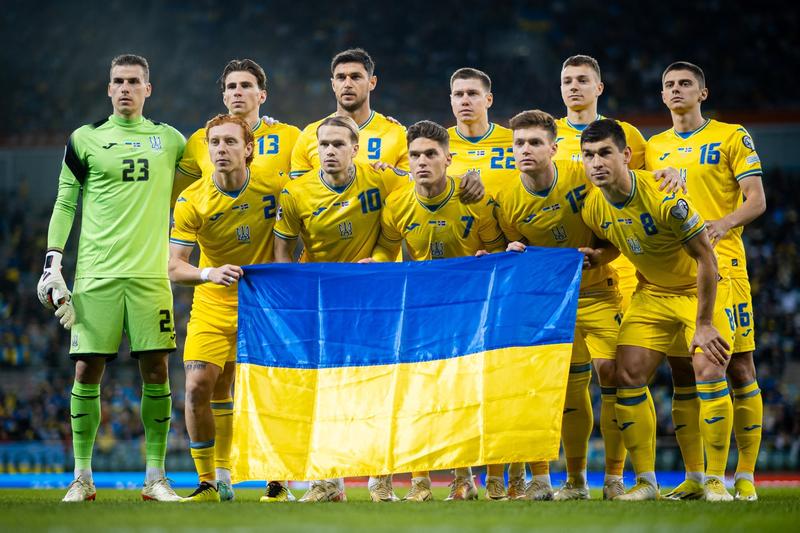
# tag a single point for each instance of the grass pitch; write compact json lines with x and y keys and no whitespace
{"x":122,"y":510}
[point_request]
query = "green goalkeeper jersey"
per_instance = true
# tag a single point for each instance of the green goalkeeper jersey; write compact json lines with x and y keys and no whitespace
{"x":124,"y":170}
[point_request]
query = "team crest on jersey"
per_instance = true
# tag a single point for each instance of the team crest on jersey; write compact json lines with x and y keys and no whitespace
{"x":634,"y":245}
{"x":74,"y":341}
{"x":243,"y":234}
{"x":346,"y":229}
{"x":155,"y":142}
{"x":748,"y":142}
{"x":437,"y":249}
{"x":680,"y":210}
{"x":559,"y":233}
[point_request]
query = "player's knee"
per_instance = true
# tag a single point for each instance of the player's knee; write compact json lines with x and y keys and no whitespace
{"x":741,"y":369}
{"x":198,"y":393}
{"x":627,"y":377}
{"x":682,"y":371}
{"x":705,"y":370}
{"x":89,"y":370}
{"x":606,"y":372}
{"x":154,"y":368}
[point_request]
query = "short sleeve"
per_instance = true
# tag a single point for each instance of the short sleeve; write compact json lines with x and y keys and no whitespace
{"x":288,"y":221}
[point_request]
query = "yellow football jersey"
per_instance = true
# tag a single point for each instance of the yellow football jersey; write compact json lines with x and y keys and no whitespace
{"x":569,"y":141}
{"x":712,"y":159}
{"x":438,"y":227}
{"x":490,"y":155}
{"x":336,"y":225}
{"x":378,"y":140}
{"x":230,"y":228}
{"x":273,"y":151}
{"x":649,"y":228}
{"x":552,"y":218}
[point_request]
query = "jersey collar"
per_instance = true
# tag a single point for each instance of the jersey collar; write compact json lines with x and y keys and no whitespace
{"x":438,"y":201}
{"x":337,"y":190}
{"x":476,"y":140}
{"x":686,"y":134}
{"x":545,"y":193}
{"x":233,"y":194}
{"x":630,"y":197}
{"x":581,"y":127}
{"x":119,"y":121}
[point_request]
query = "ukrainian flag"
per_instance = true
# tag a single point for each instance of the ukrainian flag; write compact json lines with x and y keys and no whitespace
{"x":359,"y":369}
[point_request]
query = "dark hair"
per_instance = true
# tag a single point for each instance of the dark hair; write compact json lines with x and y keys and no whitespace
{"x":534,"y":119}
{"x":468,"y":73}
{"x":247,"y":132}
{"x":691,"y":67}
{"x":244,"y":65}
{"x":582,"y":60}
{"x":354,"y":55}
{"x":341,"y":122}
{"x":427,"y":129}
{"x":602,"y":129}
{"x":126,"y":60}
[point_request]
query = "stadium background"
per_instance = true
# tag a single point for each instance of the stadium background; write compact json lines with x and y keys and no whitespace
{"x":55,"y":69}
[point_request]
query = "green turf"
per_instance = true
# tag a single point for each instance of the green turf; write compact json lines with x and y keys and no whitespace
{"x":121,"y":510}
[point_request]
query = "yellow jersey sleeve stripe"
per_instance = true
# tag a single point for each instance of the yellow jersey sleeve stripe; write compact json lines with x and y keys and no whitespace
{"x":754,"y":172}
{"x":284,"y":236}
{"x":189,"y":172}
{"x":173,"y":240}
{"x":693,"y":234}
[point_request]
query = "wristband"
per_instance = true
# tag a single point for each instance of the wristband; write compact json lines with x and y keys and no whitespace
{"x":204,"y":273}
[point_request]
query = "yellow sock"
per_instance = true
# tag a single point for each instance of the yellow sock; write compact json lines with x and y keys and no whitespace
{"x":612,"y":436}
{"x":686,"y":419}
{"x":495,"y":470}
{"x":203,"y":455}
{"x":578,"y":420}
{"x":716,"y":414}
{"x":748,"y":414}
{"x":637,"y":422}
{"x":223,"y":426}
{"x":420,"y":474}
{"x":539,"y":468}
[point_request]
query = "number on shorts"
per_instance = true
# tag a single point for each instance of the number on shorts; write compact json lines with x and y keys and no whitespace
{"x":165,"y":324}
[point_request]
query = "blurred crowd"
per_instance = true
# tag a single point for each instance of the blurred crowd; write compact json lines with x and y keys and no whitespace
{"x":60,"y":83}
{"x":36,"y":374}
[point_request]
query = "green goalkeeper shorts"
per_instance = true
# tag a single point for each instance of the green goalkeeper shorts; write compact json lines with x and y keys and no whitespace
{"x":105,"y":307}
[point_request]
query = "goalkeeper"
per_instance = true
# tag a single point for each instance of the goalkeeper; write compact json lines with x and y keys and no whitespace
{"x":124,"y":167}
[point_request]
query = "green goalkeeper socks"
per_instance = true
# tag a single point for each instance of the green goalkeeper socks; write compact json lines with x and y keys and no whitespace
{"x":156,"y":413}
{"x":84,"y":408}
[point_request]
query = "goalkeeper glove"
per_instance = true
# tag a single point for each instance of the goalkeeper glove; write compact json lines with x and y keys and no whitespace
{"x":52,"y":280}
{"x":66,"y":311}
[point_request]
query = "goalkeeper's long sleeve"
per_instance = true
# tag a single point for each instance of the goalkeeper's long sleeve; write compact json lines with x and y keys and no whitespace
{"x":63,"y":211}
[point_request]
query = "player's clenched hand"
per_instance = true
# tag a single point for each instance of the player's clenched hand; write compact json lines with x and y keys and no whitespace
{"x":471,"y":188}
{"x":708,"y":340}
{"x":225,"y":275}
{"x":591,"y":257}
{"x":515,"y":246}
{"x":65,"y":312}
{"x":717,"y":230}
{"x":670,"y":179}
{"x":52,"y":280}
{"x":381,"y":165}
